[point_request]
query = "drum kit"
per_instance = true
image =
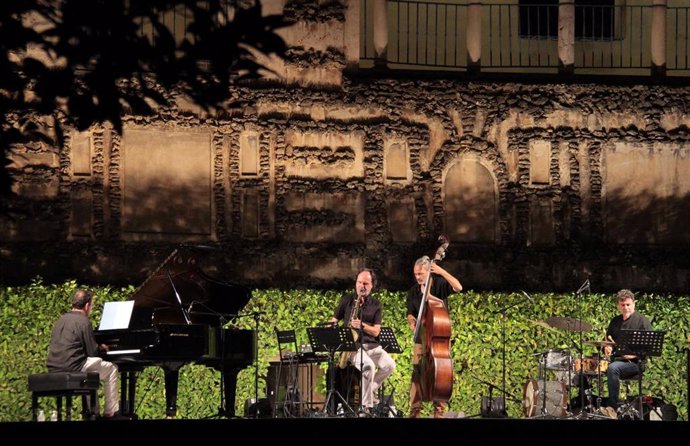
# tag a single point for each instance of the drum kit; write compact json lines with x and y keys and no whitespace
{"x":560,"y":372}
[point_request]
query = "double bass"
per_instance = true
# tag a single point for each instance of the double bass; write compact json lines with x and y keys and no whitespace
{"x":433,"y":332}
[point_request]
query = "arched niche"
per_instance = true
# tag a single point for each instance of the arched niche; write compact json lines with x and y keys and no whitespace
{"x":470,"y":201}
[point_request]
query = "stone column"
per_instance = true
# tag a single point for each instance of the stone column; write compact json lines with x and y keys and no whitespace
{"x":380,"y":32}
{"x":566,"y":36}
{"x":658,"y":38}
{"x":351,"y":36}
{"x":474,"y":36}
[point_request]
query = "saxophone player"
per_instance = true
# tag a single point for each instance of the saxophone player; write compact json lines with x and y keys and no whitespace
{"x":373,"y":362}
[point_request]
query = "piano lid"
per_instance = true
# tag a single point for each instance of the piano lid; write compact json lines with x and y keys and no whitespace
{"x":206,"y":299}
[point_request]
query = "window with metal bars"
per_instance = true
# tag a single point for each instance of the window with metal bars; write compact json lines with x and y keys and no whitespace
{"x":594,"y":20}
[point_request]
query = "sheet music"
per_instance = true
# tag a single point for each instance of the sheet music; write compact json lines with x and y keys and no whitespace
{"x":640,"y":342}
{"x":116,"y":315}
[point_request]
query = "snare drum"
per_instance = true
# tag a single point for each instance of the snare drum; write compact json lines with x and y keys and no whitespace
{"x":557,"y":360}
{"x":591,"y":365}
{"x":556,"y":398}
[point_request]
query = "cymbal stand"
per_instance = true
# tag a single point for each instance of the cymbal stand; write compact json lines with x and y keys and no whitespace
{"x":588,"y":411}
{"x":569,"y":367}
{"x":599,"y":385}
{"x":503,"y":349}
{"x":579,"y":293}
{"x":542,"y":376}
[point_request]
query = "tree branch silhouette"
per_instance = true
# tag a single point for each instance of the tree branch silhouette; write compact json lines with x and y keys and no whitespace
{"x":76,"y":63}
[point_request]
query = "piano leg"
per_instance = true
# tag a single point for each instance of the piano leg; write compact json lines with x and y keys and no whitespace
{"x":172,"y":376}
{"x":229,"y":388}
{"x":128,"y":387}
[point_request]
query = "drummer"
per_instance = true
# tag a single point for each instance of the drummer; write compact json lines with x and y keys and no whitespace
{"x":623,"y":366}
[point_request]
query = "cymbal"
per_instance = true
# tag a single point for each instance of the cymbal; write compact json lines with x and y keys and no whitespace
{"x":601,"y":344}
{"x":542,"y":324}
{"x":568,"y":323}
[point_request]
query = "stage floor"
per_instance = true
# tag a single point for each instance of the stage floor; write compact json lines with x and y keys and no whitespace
{"x":337,"y":430}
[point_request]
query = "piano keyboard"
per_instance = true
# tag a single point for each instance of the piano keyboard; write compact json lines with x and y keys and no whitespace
{"x":131,"y":351}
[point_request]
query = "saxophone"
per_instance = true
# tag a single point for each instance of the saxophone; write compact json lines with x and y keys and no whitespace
{"x":345,"y":356}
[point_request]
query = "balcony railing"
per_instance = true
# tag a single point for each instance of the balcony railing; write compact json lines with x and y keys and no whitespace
{"x":516,"y":38}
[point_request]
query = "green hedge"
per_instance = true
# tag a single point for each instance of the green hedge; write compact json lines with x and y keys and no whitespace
{"x":28,"y":312}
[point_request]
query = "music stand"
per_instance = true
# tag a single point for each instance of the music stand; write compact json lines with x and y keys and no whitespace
{"x":640,"y":343}
{"x":389,"y":343}
{"x":331,"y":340}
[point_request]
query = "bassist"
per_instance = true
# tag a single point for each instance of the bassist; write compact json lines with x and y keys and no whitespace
{"x":443,"y":284}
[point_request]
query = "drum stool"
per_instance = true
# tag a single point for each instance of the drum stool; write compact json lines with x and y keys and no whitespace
{"x":628,"y":407}
{"x":65,"y":384}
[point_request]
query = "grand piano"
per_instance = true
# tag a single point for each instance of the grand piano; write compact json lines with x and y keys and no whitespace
{"x":178,"y":317}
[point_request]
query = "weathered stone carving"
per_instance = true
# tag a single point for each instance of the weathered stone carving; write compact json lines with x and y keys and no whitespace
{"x":166,"y":183}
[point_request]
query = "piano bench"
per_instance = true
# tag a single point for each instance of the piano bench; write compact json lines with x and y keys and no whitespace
{"x":65,"y":384}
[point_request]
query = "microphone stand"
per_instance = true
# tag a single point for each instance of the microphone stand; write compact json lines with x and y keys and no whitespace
{"x":503,"y":350}
{"x":582,"y":376}
{"x":491,"y":387}
{"x":361,"y":358}
{"x":257,"y":316}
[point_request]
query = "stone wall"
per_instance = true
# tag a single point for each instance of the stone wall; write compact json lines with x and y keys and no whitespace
{"x":312,"y":177}
{"x":535,"y":185}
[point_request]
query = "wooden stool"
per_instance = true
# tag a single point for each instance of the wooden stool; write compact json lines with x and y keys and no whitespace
{"x":67,"y":384}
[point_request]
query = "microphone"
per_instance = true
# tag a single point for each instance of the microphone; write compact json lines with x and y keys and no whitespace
{"x":527,"y":296}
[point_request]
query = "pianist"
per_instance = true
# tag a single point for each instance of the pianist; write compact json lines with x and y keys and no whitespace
{"x":73,"y":348}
